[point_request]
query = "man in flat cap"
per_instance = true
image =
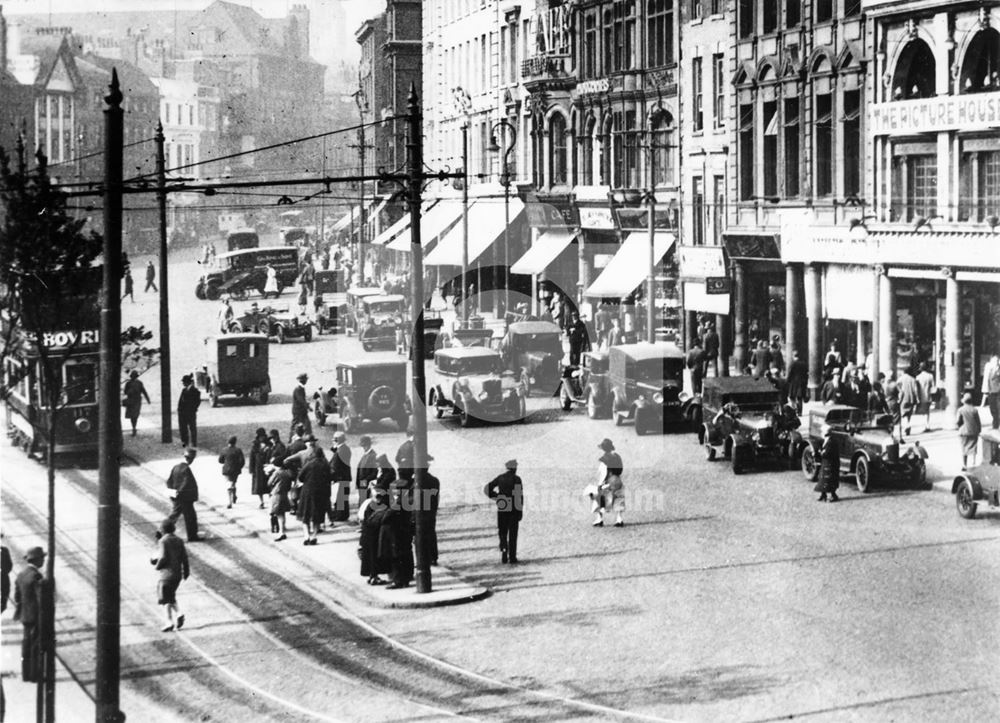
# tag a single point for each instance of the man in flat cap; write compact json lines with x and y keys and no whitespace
{"x":28,"y":609}
{"x":300,"y":406}
{"x":508,"y":493}
{"x":187,"y":411}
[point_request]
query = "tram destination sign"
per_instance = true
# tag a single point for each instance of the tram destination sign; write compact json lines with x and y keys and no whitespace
{"x":947,"y":112}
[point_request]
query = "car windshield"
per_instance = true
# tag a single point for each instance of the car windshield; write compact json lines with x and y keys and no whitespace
{"x":658,"y":370}
{"x":383,"y":307}
{"x":477,"y":365}
{"x":764,"y":402}
{"x":539,"y":342}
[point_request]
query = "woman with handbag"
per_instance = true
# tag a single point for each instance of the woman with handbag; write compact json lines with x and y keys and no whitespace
{"x":279,"y":483}
{"x":610,"y":491}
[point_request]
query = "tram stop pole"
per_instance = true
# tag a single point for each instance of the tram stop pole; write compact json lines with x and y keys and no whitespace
{"x":166,"y":433}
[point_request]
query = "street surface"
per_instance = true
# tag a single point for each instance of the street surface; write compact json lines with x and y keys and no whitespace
{"x":722,"y":598}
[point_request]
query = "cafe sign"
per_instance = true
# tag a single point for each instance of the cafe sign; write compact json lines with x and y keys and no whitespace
{"x":973,"y":111}
{"x":598,"y":217}
{"x":701,"y":262}
{"x":552,"y":213}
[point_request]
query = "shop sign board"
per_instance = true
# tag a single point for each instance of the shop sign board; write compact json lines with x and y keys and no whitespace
{"x":968,"y":112}
{"x":717,"y":285}
{"x":701,"y":262}
{"x":832,"y":244}
{"x":598,"y":218}
{"x":751,"y":246}
{"x":552,"y":213}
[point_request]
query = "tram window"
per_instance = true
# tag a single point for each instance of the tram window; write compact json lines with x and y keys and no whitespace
{"x":78,"y":383}
{"x":230,"y":350}
{"x":17,"y":379}
{"x":251,"y":350}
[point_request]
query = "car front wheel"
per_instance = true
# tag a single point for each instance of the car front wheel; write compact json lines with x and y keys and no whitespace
{"x":280,"y":333}
{"x":964,"y":500}
{"x":862,"y":474}
{"x":809,"y":467}
{"x":740,"y":459}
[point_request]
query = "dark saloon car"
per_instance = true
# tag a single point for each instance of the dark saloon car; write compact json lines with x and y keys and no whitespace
{"x":744,"y":416}
{"x":647,"y":383}
{"x":276,"y":323}
{"x":533,"y":351}
{"x":237,"y":366}
{"x":980,"y":484}
{"x":866,"y":444}
{"x":588,"y":383}
{"x":469,"y":382}
{"x":372,"y":391}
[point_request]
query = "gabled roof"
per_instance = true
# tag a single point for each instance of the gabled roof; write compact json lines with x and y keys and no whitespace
{"x":133,"y":81}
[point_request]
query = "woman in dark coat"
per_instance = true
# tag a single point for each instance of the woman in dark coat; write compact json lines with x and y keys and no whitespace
{"x":276,"y":450}
{"x":829,"y":467}
{"x":280,"y":482}
{"x":400,"y":522}
{"x":386,"y":474}
{"x":258,"y":458}
{"x":376,"y":548}
{"x":134,"y":392}
{"x":314,"y":495}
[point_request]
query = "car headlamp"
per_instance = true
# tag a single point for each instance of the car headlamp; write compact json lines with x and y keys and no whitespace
{"x":82,"y":425}
{"x":483,"y":396}
{"x":658,"y":397}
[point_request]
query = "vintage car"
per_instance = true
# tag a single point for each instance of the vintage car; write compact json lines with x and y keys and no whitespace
{"x":647,"y":385}
{"x":744,"y":416}
{"x":469,"y":382}
{"x":372,"y":391}
{"x":588,"y":383}
{"x":378,"y":316}
{"x":242,"y":238}
{"x":238,"y":366}
{"x":867,"y":447}
{"x":533,"y":351}
{"x":980,"y":484}
{"x":277,"y":323}
{"x":239,"y":273}
{"x":351,"y":312}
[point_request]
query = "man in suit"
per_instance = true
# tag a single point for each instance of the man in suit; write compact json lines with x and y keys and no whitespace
{"x":187,"y":411}
{"x":28,"y":609}
{"x":798,"y":378}
{"x":184,"y":493}
{"x":367,"y":469}
{"x":710,"y":343}
{"x":404,"y":457}
{"x":340,"y":467}
{"x":696,"y":363}
{"x":300,"y":406}
{"x":507,"y":491}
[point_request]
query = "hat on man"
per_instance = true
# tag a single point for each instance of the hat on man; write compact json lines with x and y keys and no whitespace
{"x":363,"y":440}
{"x":34,"y":554}
{"x":167,"y":527}
{"x":607,"y":445}
{"x":190,"y":452}
{"x":510,"y":464}
{"x":382,"y":460}
{"x":303,"y":377}
{"x":339,"y":437}
{"x":309,"y":438}
{"x":187,"y":379}
{"x":966,"y":398}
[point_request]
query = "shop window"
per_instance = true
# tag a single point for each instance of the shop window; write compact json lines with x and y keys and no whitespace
{"x":771,"y":149}
{"x":824,"y":10}
{"x":851,"y":129}
{"x":746,"y":10}
{"x":791,"y":147}
{"x":793,"y":13}
{"x":770,"y":16}
{"x":979,"y":178}
{"x":698,"y":211}
{"x":981,"y":66}
{"x":697,"y":96}
{"x":746,"y":152}
{"x":558,"y":167}
{"x":915,"y":72}
{"x":914,"y":187}
{"x":659,"y":32}
{"x":823,"y":145}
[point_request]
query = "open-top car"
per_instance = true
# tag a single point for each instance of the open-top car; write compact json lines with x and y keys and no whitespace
{"x":237,"y":366}
{"x":372,"y":391}
{"x":244,"y":271}
{"x":866,"y":445}
{"x":533,"y":351}
{"x":745,"y":418}
{"x":378,"y":317}
{"x":271,"y":322}
{"x":647,"y":385}
{"x":351,"y":313}
{"x":980,"y":484}
{"x":469,"y":381}
{"x":588,"y":383}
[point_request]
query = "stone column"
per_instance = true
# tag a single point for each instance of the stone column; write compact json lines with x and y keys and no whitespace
{"x":793,"y":311}
{"x":887,"y":337}
{"x":722,"y":327}
{"x":739,"y":318}
{"x":876,"y":323}
{"x":952,"y":342}
{"x":815,"y":320}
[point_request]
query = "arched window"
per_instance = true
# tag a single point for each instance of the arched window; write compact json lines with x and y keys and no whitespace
{"x":981,"y":65}
{"x":663,"y":147}
{"x":915,"y":72}
{"x":605,"y":150}
{"x":586,"y":164}
{"x":558,"y":155}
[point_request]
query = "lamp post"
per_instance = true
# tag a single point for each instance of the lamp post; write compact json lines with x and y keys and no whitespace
{"x":507,"y":126}
{"x":464,"y":103}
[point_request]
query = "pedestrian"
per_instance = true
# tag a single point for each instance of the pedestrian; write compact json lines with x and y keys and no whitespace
{"x":760,"y":359}
{"x":877,"y":403}
{"x":579,"y":338}
{"x":187,"y":411}
{"x":696,"y":364}
{"x":508,"y":493}
{"x":602,"y":323}
{"x":909,"y":398}
{"x":777,"y":358}
{"x":711,"y":344}
{"x":340,"y":470}
{"x":28,"y":590}
{"x":280,"y":477}
{"x":300,"y":406}
{"x":386,"y":473}
{"x":991,"y":388}
{"x":831,"y":392}
{"x":367,"y":471}
{"x":276,"y":450}
{"x":232,"y":461}
{"x":150,"y":277}
{"x":134,"y":391}
{"x":400,"y":521}
{"x":610,"y":492}
{"x":314,"y":493}
{"x":798,"y":377}
{"x":297,"y":444}
{"x":375,"y":544}
{"x":184,"y":492}
{"x":969,"y":428}
{"x":928,"y":390}
{"x":227,"y":315}
{"x":260,"y":450}
{"x":271,"y":283}
{"x":428,"y":501}
{"x":129,"y":286}
{"x":171,"y":561}
{"x":303,"y":300}
{"x":833,"y":359}
{"x":829,"y":467}
{"x":615,"y":334}
{"x":890,"y":389}
{"x":404,"y":456}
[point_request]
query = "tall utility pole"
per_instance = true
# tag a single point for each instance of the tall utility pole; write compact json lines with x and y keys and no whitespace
{"x":414,"y":148}
{"x":166,"y":433}
{"x":362,"y":103}
{"x":651,"y":221}
{"x":465,"y":224}
{"x":507,"y":127}
{"x":108,"y":669}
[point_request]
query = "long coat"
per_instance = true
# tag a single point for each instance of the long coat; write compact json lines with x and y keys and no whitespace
{"x":314,"y":497}
{"x":280,"y":483}
{"x":829,"y":466}
{"x":376,"y":539}
{"x":134,"y":392}
{"x":259,"y":455}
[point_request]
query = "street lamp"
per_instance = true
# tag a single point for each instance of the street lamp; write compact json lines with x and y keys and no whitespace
{"x":464,"y":103}
{"x":494,"y":147}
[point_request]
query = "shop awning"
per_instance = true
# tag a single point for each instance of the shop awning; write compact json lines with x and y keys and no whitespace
{"x":544,"y":251}
{"x":486,"y":224}
{"x":354,"y":215}
{"x":398,"y":228}
{"x":630,"y":264}
{"x":433,"y":223}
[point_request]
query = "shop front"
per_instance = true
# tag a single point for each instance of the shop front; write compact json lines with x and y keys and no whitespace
{"x":552,"y":261}
{"x":706,"y":287}
{"x":759,"y":285}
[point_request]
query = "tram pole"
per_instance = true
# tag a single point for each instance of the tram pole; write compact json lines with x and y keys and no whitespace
{"x":166,"y":432}
{"x":108,"y":669}
{"x":414,"y":147}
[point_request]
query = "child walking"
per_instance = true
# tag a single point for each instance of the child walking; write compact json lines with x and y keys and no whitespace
{"x":232,"y":461}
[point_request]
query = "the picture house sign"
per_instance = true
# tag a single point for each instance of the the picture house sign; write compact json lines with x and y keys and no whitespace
{"x":923,"y":115}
